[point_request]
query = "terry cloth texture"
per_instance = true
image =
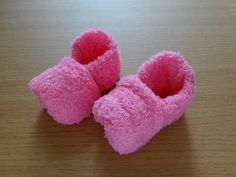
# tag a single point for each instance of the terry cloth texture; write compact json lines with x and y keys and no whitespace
{"x":69,"y":89}
{"x":142,"y":104}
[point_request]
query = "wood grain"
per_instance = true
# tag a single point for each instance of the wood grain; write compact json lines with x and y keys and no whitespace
{"x":34,"y":35}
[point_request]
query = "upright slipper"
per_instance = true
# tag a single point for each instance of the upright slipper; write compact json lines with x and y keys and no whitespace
{"x":142,"y":104}
{"x":69,"y":89}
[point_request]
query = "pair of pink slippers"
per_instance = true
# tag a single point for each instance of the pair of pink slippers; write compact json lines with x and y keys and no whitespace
{"x":135,"y":110}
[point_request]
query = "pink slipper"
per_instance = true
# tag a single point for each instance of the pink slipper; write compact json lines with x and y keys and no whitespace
{"x":69,"y":89}
{"x":141,"y":105}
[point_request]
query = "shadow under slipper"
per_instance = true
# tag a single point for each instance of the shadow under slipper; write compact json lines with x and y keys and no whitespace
{"x":62,"y":141}
{"x":169,"y":153}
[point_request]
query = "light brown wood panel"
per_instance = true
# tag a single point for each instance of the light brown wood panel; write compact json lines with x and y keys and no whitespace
{"x":34,"y":35}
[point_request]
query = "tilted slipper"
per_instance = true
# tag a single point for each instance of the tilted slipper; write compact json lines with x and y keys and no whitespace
{"x":142,"y":104}
{"x":69,"y":89}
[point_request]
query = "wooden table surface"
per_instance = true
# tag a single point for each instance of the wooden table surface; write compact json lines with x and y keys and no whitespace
{"x":34,"y":35}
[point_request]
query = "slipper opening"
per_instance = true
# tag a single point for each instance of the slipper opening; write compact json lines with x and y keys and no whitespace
{"x":90,"y":45}
{"x":164,"y":74}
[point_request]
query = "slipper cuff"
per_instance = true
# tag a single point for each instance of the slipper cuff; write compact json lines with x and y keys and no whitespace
{"x":98,"y":52}
{"x":66,"y":90}
{"x":171,"y":78}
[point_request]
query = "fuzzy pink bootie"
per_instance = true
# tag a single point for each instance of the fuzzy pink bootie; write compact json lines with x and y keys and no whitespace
{"x":141,"y":105}
{"x":69,"y":89}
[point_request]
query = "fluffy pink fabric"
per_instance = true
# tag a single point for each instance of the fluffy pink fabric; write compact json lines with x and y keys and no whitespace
{"x":171,"y":78}
{"x":66,"y":90}
{"x":99,"y":53}
{"x":69,"y":89}
{"x":142,"y":104}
